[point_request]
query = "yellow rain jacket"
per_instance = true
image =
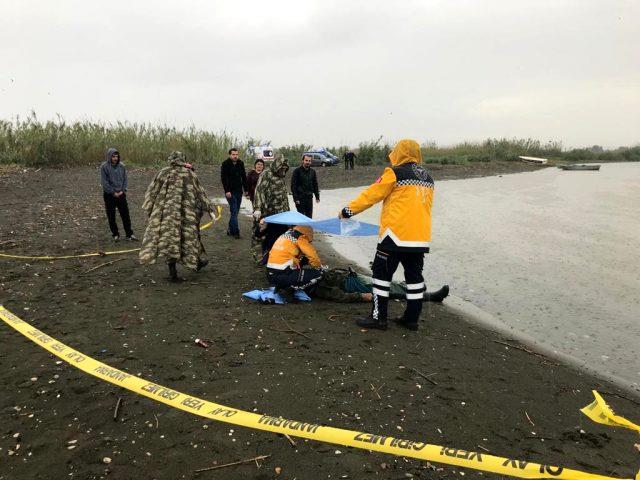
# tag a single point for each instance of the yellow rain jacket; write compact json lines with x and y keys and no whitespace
{"x":406,"y":192}
{"x":290,"y":246}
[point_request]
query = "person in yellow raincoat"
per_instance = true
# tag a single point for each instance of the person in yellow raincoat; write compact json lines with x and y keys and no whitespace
{"x":285,"y":265}
{"x":406,"y":192}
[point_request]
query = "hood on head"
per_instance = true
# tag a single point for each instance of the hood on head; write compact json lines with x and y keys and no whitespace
{"x":178,"y":159}
{"x":405,"y":151}
{"x":305,"y":230}
{"x":278,"y":164}
{"x":110,"y":152}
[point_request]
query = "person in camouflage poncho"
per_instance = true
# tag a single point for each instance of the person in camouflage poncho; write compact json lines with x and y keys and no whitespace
{"x":270,"y":198}
{"x":175,"y":202}
{"x":271,"y":192}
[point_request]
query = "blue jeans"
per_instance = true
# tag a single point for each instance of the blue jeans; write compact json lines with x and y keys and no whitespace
{"x":234,"y":207}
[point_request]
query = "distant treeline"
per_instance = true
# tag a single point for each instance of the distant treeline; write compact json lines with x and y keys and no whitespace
{"x":33,"y":143}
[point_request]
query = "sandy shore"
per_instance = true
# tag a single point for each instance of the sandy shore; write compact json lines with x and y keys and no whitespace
{"x":490,"y":394}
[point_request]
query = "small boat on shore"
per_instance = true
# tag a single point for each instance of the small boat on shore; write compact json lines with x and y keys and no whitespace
{"x":539,"y":161}
{"x":580,"y":166}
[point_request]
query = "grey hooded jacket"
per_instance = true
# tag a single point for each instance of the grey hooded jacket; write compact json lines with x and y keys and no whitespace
{"x":113,"y":178}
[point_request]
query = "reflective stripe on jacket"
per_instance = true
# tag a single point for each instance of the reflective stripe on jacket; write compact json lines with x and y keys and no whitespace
{"x":406,"y":191}
{"x":288,"y":249}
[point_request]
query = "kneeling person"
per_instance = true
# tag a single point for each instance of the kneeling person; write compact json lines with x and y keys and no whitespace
{"x":291,"y":251}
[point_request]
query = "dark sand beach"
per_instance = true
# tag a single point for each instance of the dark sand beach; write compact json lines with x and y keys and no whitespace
{"x":488,"y":394}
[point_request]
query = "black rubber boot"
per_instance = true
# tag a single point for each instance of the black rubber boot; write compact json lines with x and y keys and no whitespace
{"x":173,"y":273}
{"x":371,"y":323}
{"x":201,"y":264}
{"x":413,"y":326}
{"x":437,"y":296}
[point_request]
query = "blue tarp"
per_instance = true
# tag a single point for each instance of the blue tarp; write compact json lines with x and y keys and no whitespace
{"x":289,"y":218}
{"x":345,"y":228}
{"x":268,"y":295}
{"x":333,"y":226}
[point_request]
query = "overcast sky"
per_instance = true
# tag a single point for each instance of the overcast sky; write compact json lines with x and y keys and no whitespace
{"x":332,"y":72}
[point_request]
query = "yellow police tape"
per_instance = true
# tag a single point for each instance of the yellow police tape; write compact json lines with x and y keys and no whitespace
{"x":350,"y":438}
{"x":600,"y":412}
{"x":101,"y":254}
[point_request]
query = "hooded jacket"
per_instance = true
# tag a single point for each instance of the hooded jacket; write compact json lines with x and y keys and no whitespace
{"x":271,"y":192}
{"x":290,"y":247}
{"x":113,"y":178}
{"x":406,"y":191}
{"x":175,"y":202}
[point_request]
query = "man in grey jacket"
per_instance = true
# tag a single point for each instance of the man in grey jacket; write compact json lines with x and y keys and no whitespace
{"x":113,"y":178}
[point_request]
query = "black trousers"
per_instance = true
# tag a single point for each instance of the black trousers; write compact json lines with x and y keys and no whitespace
{"x":110,"y":205}
{"x":304,"y":205}
{"x":271,"y":234}
{"x":300,"y":279}
{"x":384,"y":266}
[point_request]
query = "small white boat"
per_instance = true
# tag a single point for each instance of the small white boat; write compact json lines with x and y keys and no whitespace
{"x":580,"y":166}
{"x":539,"y":161}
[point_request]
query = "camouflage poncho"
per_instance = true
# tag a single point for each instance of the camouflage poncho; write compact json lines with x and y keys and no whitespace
{"x":271,"y":192}
{"x":175,"y":202}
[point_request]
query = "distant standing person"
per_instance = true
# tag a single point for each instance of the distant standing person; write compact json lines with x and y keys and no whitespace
{"x":304,"y":186}
{"x":349,"y":160}
{"x":113,"y":178}
{"x":252,"y":178}
{"x":234,"y":182}
{"x":406,"y":192}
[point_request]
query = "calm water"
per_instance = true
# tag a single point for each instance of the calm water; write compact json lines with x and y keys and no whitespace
{"x":553,"y":255}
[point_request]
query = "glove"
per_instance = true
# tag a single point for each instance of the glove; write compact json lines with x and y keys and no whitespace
{"x":257,"y":214}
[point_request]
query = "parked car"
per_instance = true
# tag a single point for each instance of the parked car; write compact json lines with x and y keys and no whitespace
{"x":322,"y":159}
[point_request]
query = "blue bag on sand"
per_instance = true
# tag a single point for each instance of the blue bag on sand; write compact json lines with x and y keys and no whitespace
{"x":268,"y":295}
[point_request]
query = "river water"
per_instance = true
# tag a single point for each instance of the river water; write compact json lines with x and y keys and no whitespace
{"x":552,"y":256}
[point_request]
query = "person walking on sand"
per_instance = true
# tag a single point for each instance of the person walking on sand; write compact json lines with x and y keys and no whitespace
{"x":271,"y":198}
{"x":304,"y":186}
{"x":175,"y":202}
{"x":406,"y":192}
{"x":234,"y":182}
{"x":113,"y":178}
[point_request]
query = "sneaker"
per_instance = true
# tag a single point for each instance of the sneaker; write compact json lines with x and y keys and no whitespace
{"x":116,"y":238}
{"x":132,"y":238}
{"x":370,"y":323}
{"x":413,"y":326}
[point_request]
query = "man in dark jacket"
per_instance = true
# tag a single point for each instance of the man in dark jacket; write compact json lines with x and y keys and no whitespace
{"x":349,"y":159}
{"x":234,"y":182}
{"x":113,"y":178}
{"x":304,"y":185}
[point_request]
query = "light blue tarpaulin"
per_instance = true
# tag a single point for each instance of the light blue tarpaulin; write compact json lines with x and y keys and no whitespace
{"x":333,"y":226}
{"x":345,"y":228}
{"x":268,"y":295}
{"x":289,"y":218}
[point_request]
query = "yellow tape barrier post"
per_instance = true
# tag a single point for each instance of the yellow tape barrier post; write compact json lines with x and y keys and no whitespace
{"x":101,"y":254}
{"x":350,"y":438}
